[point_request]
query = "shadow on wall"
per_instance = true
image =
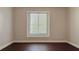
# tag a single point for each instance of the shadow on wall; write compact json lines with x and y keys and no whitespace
{"x":1,"y":22}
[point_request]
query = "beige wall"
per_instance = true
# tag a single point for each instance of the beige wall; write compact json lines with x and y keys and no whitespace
{"x":64,"y":25}
{"x":73,"y":25}
{"x":5,"y":26}
{"x":58,"y":24}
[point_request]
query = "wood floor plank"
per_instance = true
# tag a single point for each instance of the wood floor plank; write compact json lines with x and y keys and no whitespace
{"x":40,"y":47}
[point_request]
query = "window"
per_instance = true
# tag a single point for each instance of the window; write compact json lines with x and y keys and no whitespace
{"x":37,"y":24}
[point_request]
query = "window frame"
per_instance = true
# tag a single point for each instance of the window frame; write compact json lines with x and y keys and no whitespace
{"x":28,"y":24}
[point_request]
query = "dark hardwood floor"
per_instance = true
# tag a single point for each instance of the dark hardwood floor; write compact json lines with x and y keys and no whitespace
{"x":40,"y":47}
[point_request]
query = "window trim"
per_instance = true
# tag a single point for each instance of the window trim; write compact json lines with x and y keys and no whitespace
{"x":28,"y":23}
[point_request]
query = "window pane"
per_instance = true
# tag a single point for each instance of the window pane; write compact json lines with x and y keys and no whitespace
{"x":42,"y":23}
{"x":38,"y":24}
{"x":33,"y":23}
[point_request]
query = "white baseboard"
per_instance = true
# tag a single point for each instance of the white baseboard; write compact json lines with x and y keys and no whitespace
{"x":75,"y":45}
{"x":29,"y":41}
{"x":3,"y":46}
{"x":24,"y":41}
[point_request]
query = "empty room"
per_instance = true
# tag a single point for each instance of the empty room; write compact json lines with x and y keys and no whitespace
{"x":39,"y":29}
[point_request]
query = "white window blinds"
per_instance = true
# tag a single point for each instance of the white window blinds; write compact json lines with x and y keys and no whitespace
{"x":38,"y":24}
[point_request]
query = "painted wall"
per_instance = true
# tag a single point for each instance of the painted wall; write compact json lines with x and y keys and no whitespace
{"x":6,"y":34}
{"x":64,"y":25}
{"x":57,"y":22}
{"x":73,"y":25}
